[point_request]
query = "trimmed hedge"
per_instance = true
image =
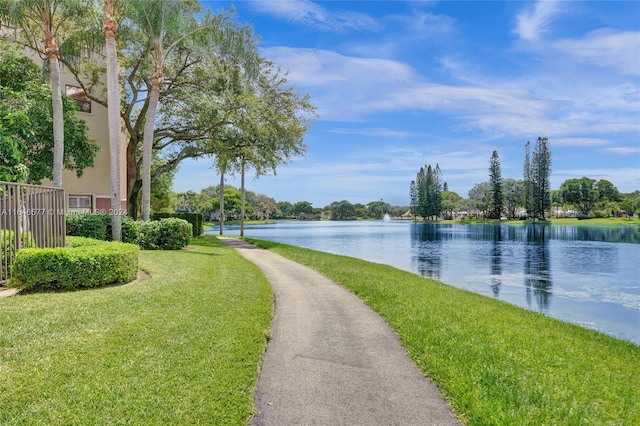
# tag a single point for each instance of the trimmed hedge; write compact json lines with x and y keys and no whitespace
{"x":87,"y":225}
{"x":8,"y":251}
{"x":195,"y":219}
{"x":83,"y":264}
{"x":7,"y":240}
{"x":98,"y":226}
{"x":164,"y":234}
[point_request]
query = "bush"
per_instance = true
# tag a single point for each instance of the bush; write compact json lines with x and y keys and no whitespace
{"x":195,"y":219}
{"x":83,"y":264}
{"x":81,"y":242}
{"x":98,"y":226}
{"x":165,"y":234}
{"x":8,"y":251}
{"x":87,"y":225}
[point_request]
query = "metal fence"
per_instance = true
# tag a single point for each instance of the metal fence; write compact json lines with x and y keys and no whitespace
{"x":30,"y":216}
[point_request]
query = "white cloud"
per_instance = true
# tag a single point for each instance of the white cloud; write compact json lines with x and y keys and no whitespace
{"x":534,"y":21}
{"x":308,"y":13}
{"x":580,"y":142}
{"x":624,"y":150}
{"x":378,"y":132}
{"x":348,"y":88}
{"x":605,"y":47}
{"x":421,"y":25}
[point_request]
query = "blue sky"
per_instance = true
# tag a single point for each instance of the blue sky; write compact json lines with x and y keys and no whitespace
{"x":402,"y":84}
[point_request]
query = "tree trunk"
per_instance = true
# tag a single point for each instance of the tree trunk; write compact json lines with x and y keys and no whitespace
{"x":133,"y":184}
{"x":221,"y":218}
{"x":113,"y":111}
{"x":242,"y":200}
{"x":147,"y":147}
{"x":58,"y":118}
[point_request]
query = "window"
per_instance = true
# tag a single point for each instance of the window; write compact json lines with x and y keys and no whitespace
{"x":77,"y":94}
{"x":79,"y":203}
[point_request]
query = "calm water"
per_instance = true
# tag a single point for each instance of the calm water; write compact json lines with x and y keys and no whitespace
{"x":586,"y":275}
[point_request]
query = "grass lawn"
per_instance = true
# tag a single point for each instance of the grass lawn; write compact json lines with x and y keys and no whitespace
{"x":496,"y":363}
{"x":183,"y":347}
{"x":609,"y":221}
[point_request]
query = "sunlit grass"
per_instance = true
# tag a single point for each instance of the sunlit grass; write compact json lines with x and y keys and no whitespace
{"x":183,"y":347}
{"x":497,"y":364}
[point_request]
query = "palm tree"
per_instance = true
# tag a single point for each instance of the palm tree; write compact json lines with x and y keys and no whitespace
{"x":165,"y":24}
{"x":39,"y":23}
{"x":113,"y":114}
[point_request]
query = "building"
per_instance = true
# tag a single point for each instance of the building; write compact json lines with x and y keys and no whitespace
{"x":92,"y":191}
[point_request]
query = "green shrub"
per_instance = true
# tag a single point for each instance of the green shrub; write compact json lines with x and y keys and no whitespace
{"x":98,"y":226}
{"x":148,"y":234}
{"x":7,"y":241}
{"x":87,"y":225}
{"x":129,"y":230}
{"x":195,"y":219}
{"x":89,"y":264}
{"x":165,"y":234}
{"x":82,"y":241}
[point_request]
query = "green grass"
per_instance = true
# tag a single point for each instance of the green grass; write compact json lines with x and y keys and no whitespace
{"x":496,"y":363}
{"x":598,"y":221}
{"x":182,"y":347}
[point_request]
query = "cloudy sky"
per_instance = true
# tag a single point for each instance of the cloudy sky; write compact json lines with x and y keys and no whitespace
{"x":399,"y":85}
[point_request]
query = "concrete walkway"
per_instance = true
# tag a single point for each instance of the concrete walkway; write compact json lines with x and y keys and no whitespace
{"x":332,"y":360}
{"x":6,"y":291}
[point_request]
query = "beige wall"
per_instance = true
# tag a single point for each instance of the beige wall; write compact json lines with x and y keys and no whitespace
{"x":95,"y":182}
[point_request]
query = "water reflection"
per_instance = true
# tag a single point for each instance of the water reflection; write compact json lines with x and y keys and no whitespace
{"x":496,"y":261}
{"x":426,"y":244}
{"x":488,"y":245}
{"x":537,"y":269}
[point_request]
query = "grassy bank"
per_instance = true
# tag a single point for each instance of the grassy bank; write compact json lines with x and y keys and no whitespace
{"x":182,"y":347}
{"x":497,"y":364}
{"x":608,"y":221}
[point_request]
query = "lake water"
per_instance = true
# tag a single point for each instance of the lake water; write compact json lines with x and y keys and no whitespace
{"x":581,"y":274}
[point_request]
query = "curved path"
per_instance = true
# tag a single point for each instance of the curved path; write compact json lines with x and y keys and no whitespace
{"x":332,"y":360}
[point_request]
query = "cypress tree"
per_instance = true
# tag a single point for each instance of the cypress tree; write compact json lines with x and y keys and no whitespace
{"x":495,"y":179}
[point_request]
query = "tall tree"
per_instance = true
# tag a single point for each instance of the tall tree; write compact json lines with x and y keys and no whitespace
{"x":41,"y":24}
{"x":537,"y":173}
{"x":527,"y":196}
{"x":113,"y":114}
{"x":193,"y":102}
{"x":413,"y":197}
{"x":428,"y":192}
{"x":495,"y":179}
{"x":480,"y":197}
{"x":513,"y":195}
{"x":267,"y":128}
{"x":26,"y":128}
{"x":580,"y":193}
{"x":541,"y":165}
{"x":164,"y":24}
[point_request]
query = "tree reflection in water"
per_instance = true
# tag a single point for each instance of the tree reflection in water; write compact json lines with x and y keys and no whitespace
{"x":537,"y":269}
{"x":427,"y":246}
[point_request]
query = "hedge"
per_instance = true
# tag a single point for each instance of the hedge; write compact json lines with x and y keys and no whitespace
{"x":164,"y":234}
{"x":83,"y":264}
{"x":8,"y":251}
{"x":98,"y":226}
{"x":195,"y":219}
{"x":7,"y":241}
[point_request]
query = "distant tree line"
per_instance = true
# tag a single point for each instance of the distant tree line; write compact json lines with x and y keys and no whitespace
{"x":263,"y":207}
{"x":526,"y":198}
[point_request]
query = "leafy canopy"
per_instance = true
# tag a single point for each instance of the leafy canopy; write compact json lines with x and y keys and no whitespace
{"x":26,"y":127}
